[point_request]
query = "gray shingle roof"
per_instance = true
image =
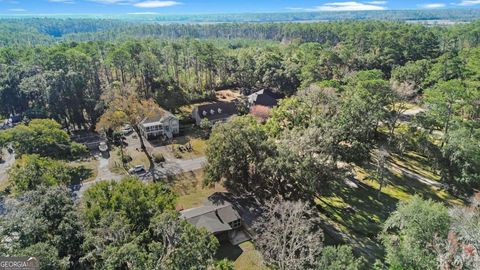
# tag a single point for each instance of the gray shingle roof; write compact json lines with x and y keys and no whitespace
{"x":214,"y":218}
{"x":264,"y":97}
{"x":217,"y":110}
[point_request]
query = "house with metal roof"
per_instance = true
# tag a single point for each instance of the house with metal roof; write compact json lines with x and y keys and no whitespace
{"x":162,"y":124}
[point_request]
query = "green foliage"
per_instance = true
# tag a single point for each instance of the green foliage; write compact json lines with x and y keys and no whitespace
{"x":223,"y":265}
{"x":339,"y":258}
{"x":43,"y":137}
{"x":43,"y":223}
{"x":205,"y":124}
{"x":78,"y":150}
{"x":409,"y":233}
{"x":192,"y":248}
{"x":412,"y":73}
{"x":453,"y":110}
{"x":133,"y":200}
{"x":461,"y":157}
{"x":32,"y":171}
{"x":66,"y":81}
{"x":235,"y":152}
{"x":47,"y":256}
{"x":291,"y":113}
{"x":132,"y":224}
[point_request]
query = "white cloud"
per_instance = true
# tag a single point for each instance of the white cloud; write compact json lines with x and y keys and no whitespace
{"x":469,"y":3}
{"x":433,"y":5}
{"x":346,"y":6}
{"x":156,"y":4}
{"x":377,"y":2}
{"x":17,"y":10}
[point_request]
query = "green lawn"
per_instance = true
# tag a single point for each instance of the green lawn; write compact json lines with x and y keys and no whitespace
{"x":360,"y":212}
{"x":90,"y":165}
{"x":198,"y":145}
{"x":244,"y":256}
{"x":191,"y":191}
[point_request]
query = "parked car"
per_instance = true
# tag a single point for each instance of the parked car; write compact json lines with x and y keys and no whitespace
{"x":103,"y":147}
{"x":127,"y":130}
{"x":138,"y":169}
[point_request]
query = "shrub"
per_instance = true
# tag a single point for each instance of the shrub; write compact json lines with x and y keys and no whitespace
{"x":126,"y":158}
{"x":78,"y":150}
{"x":158,"y":157}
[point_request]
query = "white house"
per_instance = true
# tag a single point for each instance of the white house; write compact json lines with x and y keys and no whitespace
{"x":163,"y":124}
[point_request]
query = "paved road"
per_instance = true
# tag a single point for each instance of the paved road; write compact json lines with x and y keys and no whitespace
{"x":170,"y":168}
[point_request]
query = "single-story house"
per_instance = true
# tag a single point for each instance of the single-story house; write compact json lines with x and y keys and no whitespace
{"x":218,"y":218}
{"x":265,"y":97}
{"x":214,"y":112}
{"x":162,"y":124}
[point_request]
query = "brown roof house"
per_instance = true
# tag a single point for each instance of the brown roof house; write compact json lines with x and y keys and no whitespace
{"x":219,"y":218}
{"x":214,"y":112}
{"x":162,"y":124}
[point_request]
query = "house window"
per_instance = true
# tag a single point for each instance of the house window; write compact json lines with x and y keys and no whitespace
{"x":212,"y":112}
{"x":219,"y":110}
{"x":235,"y":224}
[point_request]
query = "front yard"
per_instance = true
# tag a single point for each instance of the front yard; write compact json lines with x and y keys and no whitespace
{"x":192,"y":193}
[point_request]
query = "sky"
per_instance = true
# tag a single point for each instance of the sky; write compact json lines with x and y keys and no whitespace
{"x":216,"y":6}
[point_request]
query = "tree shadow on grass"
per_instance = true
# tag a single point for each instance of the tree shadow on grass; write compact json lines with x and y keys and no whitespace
{"x":79,"y":174}
{"x":361,"y":213}
{"x":362,"y":210}
{"x":228,"y":251}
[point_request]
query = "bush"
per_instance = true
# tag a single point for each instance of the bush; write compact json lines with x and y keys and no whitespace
{"x":339,"y":258}
{"x":205,"y":124}
{"x":158,"y":157}
{"x":78,"y":150}
{"x":126,"y":158}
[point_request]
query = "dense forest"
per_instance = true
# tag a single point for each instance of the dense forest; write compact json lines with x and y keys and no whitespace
{"x":41,"y":80}
{"x":347,"y":86}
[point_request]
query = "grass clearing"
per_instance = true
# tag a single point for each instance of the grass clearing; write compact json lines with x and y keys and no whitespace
{"x":190,"y":187}
{"x":244,"y":256}
{"x":360,"y":212}
{"x":91,"y":165}
{"x":4,"y":183}
{"x":198,"y":145}
{"x":115,"y":162}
